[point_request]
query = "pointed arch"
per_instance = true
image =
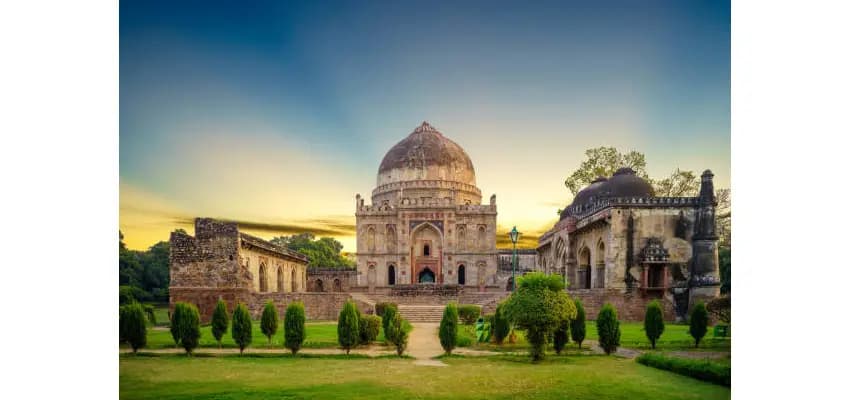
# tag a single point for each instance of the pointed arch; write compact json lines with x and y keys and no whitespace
{"x":583,"y":277}
{"x":461,"y":274}
{"x":280,"y":284}
{"x":294,"y":280}
{"x":391,"y":275}
{"x":264,"y":282}
{"x":599,"y":268}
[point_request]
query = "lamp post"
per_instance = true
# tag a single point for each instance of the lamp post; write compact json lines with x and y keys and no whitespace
{"x":514,"y":236}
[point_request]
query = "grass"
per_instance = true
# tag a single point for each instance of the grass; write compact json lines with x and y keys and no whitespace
{"x":318,"y":335}
{"x":502,"y":377}
{"x":632,"y":335}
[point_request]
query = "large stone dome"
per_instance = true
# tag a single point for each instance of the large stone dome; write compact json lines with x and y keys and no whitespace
{"x":426,"y":154}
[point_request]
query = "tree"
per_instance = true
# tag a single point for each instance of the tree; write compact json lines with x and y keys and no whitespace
{"x":604,"y":161}
{"x":370,"y":327}
{"x":240,"y":328}
{"x":390,"y":310}
{"x":176,"y":318}
{"x":188,"y":324}
{"x":269,"y":321}
{"x":219,"y":321}
{"x":539,"y":305}
{"x":324,"y":252}
{"x":699,"y":323}
{"x":468,"y":313}
{"x":561,"y":336}
{"x":725,"y":261}
{"x":608,"y":328}
{"x":132,"y":325}
{"x":721,"y":308}
{"x":348,"y":327}
{"x":653,"y":322}
{"x":293,"y":325}
{"x":501,"y":324}
{"x":398,"y":331}
{"x":577,"y":325}
{"x":679,"y":184}
{"x":448,"y":328}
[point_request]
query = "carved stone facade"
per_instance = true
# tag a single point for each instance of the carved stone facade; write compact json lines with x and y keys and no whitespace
{"x":221,"y":262}
{"x":426,"y":223}
{"x":618,"y":241}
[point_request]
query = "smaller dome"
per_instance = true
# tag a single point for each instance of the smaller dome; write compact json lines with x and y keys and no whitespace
{"x":597,"y":188}
{"x":626,"y":183}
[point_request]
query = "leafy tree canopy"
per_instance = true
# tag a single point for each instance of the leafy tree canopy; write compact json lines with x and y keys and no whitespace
{"x":324,"y":252}
{"x":144,"y":271}
{"x":604,"y":161}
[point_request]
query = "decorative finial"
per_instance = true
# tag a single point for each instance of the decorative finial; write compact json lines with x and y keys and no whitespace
{"x":424,"y":127}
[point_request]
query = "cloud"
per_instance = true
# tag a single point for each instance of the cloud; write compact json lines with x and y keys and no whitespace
{"x":321,"y":227}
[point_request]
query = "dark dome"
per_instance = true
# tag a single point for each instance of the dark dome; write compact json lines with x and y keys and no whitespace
{"x":625,"y":183}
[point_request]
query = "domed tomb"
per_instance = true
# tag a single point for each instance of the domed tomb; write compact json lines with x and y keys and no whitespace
{"x":427,"y":165}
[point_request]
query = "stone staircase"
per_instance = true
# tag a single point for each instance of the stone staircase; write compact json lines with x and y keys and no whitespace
{"x":421,"y":313}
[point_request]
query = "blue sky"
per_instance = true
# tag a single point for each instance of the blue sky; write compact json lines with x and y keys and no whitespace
{"x":280,"y":112}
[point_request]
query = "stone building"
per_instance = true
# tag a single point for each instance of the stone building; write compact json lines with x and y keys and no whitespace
{"x":426,"y":223}
{"x":617,"y":242}
{"x":221,"y":262}
{"x":322,"y":280}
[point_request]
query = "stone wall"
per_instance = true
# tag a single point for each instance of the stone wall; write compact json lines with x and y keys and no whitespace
{"x":325,"y":279}
{"x":630,"y":306}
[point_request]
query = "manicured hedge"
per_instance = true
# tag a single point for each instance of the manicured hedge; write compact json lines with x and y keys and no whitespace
{"x":703,"y":370}
{"x":468,"y":313}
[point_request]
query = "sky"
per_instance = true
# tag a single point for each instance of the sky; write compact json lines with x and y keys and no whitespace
{"x":276,"y":114}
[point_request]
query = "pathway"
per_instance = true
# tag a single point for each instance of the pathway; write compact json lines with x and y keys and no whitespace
{"x":424,"y":344}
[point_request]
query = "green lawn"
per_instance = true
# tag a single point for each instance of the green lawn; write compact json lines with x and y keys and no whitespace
{"x":504,"y":377}
{"x":319,"y":335}
{"x":675,"y":337}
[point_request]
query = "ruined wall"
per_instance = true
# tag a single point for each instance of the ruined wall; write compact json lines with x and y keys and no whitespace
{"x":328,"y":278}
{"x":210,"y":259}
{"x":254,"y":259}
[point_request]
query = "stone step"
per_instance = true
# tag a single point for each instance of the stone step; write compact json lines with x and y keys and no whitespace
{"x":421,"y":313}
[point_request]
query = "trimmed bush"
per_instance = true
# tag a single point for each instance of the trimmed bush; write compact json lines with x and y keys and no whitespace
{"x":653,"y":322}
{"x":150,"y":313}
{"x":721,"y":308}
{"x":398,"y":332}
{"x":348,"y":326}
{"x":370,"y":326}
{"x":381,"y":307}
{"x":389,"y":313}
{"x":539,"y":305}
{"x":448,"y":328}
{"x":176,"y":315}
{"x":578,"y":330}
{"x":269,"y":321}
{"x":699,"y":369}
{"x":240,"y":328}
{"x":293,"y":326}
{"x":699,"y":323}
{"x":608,"y":328}
{"x":468,"y":313}
{"x":219,"y":321}
{"x":189,"y":327}
{"x":132,"y":325}
{"x":561,"y":336}
{"x":501,"y":324}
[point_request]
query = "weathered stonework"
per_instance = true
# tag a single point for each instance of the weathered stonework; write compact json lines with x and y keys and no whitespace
{"x":619,"y":243}
{"x":221,"y":262}
{"x":426,"y":222}
{"x":330,"y":279}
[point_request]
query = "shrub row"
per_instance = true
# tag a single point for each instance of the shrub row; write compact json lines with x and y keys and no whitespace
{"x":704,"y":370}
{"x":354,"y":328}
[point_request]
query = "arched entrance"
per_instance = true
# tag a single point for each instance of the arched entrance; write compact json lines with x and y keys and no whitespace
{"x":426,"y":252}
{"x":391,"y":275}
{"x":426,"y":276}
{"x":461,"y":275}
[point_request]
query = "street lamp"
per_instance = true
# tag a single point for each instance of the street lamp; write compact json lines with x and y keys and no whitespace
{"x":514,"y":236}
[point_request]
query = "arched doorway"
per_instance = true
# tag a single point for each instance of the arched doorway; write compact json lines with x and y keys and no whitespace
{"x":426,"y":276}
{"x":279,"y":279}
{"x":600,"y":265}
{"x":391,"y":275}
{"x":320,"y":286}
{"x":584,"y":268}
{"x":294,"y":281}
{"x":426,"y":251}
{"x":337,"y":285}
{"x":461,"y":275}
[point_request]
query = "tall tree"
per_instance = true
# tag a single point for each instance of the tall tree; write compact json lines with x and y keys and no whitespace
{"x":324,"y":252}
{"x":679,"y":184}
{"x":604,"y":161}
